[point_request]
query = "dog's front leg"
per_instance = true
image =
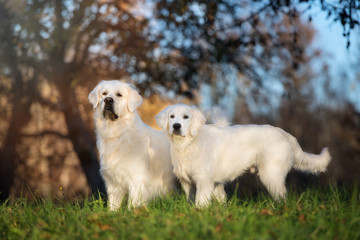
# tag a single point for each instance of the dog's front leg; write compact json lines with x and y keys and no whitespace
{"x":186,"y":186}
{"x":204,"y":189}
{"x":138,"y":195}
{"x":115,"y":197}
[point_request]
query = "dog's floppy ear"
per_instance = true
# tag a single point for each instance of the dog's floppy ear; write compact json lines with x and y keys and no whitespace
{"x":94,"y":96}
{"x":198,"y":120}
{"x":134,"y":99}
{"x":162,"y":118}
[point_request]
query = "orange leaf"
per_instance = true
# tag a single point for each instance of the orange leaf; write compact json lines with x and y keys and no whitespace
{"x":105,"y":227}
{"x":219,"y":227}
{"x":302,"y":218}
{"x":266,"y":212}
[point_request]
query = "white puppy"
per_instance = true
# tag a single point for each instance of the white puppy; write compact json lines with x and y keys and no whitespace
{"x":209,"y":155}
{"x":134,"y":158}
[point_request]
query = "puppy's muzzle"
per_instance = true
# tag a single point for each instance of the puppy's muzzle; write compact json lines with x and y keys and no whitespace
{"x":177,"y":128}
{"x":108,"y":111}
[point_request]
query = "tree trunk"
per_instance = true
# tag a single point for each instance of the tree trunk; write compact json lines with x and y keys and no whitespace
{"x":82,"y":141}
{"x":20,"y":117}
{"x":7,"y":165}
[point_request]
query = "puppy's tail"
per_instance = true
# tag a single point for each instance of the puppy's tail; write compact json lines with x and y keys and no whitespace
{"x":312,"y":163}
{"x":217,"y":117}
{"x":308,"y":162}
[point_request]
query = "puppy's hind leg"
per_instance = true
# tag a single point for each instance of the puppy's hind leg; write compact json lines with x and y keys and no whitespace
{"x":273,"y":178}
{"x":219,"y":192}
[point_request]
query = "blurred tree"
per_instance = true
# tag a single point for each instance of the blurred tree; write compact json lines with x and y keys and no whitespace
{"x":19,"y":95}
{"x":196,"y":35}
{"x":55,"y":41}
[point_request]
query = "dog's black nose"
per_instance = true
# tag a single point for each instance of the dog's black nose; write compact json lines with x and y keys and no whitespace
{"x":108,"y":100}
{"x":177,"y":126}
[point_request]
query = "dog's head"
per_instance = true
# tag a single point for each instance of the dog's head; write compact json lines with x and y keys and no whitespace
{"x":114,"y":99}
{"x":180,"y":120}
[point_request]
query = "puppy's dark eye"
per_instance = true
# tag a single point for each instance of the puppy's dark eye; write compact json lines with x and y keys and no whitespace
{"x":104,"y":93}
{"x":172,"y":116}
{"x":119,"y":95}
{"x":185,"y":116}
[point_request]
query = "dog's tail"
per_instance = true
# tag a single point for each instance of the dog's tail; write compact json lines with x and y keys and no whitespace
{"x":308,"y":162}
{"x":217,"y":117}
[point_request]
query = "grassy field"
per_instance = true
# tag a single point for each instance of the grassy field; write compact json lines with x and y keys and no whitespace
{"x":313,"y":214}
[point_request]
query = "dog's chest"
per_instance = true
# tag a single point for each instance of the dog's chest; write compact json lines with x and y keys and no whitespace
{"x":183,"y":166}
{"x":124,"y":150}
{"x":121,"y":160}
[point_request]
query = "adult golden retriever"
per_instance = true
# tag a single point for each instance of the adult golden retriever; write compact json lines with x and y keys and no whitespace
{"x":134,"y":158}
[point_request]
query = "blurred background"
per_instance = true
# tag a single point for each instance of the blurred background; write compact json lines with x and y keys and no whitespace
{"x":292,"y":64}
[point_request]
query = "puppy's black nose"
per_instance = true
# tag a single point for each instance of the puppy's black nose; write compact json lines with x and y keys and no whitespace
{"x":177,"y":126}
{"x":108,"y":100}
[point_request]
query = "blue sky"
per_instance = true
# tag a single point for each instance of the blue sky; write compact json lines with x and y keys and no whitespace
{"x":330,"y":40}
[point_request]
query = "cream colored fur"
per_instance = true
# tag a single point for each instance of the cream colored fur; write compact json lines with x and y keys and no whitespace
{"x":207,"y":156}
{"x":134,"y":158}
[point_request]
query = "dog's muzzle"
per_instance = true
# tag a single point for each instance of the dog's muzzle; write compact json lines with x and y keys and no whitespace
{"x":108,"y":111}
{"x":177,"y":129}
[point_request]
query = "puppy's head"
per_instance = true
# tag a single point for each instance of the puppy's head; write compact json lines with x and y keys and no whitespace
{"x":180,"y":120}
{"x":114,"y":99}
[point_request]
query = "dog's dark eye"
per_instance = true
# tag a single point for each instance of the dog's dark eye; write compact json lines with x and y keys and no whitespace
{"x":172,"y":116}
{"x":119,"y":95}
{"x":186,"y":117}
{"x":104,"y":93}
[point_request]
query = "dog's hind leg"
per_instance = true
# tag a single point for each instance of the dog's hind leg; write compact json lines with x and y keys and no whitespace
{"x":273,"y":179}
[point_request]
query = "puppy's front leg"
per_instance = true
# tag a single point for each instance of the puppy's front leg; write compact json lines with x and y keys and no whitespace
{"x":186,"y":186}
{"x":204,"y":189}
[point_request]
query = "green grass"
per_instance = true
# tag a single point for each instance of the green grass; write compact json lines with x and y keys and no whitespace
{"x":313,"y":214}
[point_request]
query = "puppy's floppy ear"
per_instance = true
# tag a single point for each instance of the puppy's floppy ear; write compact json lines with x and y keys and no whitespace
{"x":134,"y":99}
{"x":162,"y":118}
{"x":94,"y":96}
{"x":198,"y":120}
